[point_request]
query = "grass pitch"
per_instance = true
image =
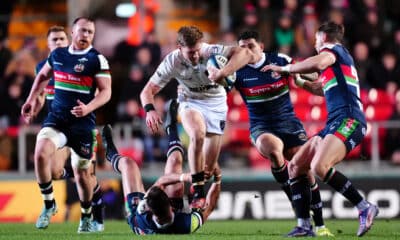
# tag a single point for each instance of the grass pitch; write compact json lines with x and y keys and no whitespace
{"x":212,"y":230}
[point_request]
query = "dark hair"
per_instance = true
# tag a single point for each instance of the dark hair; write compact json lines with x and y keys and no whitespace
{"x":248,"y":34}
{"x":55,"y":28}
{"x":334,"y":32}
{"x":79,"y":18}
{"x":188,"y":36}
{"x":158,"y":202}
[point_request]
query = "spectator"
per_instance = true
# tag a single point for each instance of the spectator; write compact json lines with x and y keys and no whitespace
{"x":5,"y":57}
{"x":284,"y":35}
{"x":386,"y":75}
{"x":362,"y":62}
{"x":305,"y":31}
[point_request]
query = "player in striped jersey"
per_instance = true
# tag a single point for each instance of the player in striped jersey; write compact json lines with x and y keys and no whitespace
{"x":57,"y":37}
{"x":345,"y":128}
{"x":78,"y":70}
{"x":275,"y":130}
{"x":152,"y":212}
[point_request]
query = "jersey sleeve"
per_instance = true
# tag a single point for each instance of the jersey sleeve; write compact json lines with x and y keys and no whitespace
{"x":286,"y":59}
{"x":164,"y":72}
{"x":104,"y":68}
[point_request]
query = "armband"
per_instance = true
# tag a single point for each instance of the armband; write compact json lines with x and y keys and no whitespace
{"x":299,"y":81}
{"x":149,"y":107}
{"x":286,"y":68}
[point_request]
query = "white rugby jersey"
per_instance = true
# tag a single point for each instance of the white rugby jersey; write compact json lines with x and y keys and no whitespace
{"x":193,"y":79}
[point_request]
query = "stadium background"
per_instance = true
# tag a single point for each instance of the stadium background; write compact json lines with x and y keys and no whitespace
{"x":134,"y":46}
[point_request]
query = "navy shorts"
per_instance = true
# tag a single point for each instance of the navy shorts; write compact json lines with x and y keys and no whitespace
{"x":290,"y":131}
{"x":81,"y":140}
{"x":350,"y":130}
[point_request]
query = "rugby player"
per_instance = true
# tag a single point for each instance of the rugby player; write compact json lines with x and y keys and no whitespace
{"x":345,"y":128}
{"x":79,"y":70}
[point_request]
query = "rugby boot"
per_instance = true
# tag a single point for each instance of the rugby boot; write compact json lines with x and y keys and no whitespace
{"x":44,"y":217}
{"x":301,"y":232}
{"x":366,"y":219}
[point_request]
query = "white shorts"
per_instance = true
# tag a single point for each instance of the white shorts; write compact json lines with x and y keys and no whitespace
{"x":214,"y":112}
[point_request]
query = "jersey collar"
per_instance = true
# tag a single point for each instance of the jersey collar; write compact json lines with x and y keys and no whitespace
{"x":79,"y":52}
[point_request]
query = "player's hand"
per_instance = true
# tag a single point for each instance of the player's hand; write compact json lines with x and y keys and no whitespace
{"x":273,"y":68}
{"x":153,"y":121}
{"x":214,"y":74}
{"x":80,"y":110}
{"x":27,"y":112}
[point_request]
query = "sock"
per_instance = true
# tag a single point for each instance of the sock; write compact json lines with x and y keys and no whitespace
{"x":342,"y":184}
{"x":281,"y":175}
{"x":304,"y":223}
{"x":115,"y":161}
{"x":316,"y":205}
{"x":198,"y":185}
{"x":132,"y":200}
{"x":97,"y":204}
{"x":174,"y":142}
{"x":47,"y":193}
{"x":68,"y":172}
{"x":86,"y":209}
{"x":301,"y":195}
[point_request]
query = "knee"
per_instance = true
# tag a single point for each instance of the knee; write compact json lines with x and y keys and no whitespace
{"x":175,"y":159}
{"x":127,"y":164}
{"x":293,"y":169}
{"x":319,"y":170}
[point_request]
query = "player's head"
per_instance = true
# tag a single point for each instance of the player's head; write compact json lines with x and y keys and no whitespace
{"x":189,"y":43}
{"x":328,"y":32}
{"x":82,"y":33}
{"x":56,"y":37}
{"x":251,"y":40}
{"x":158,"y":202}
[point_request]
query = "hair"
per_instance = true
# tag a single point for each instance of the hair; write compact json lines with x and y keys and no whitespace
{"x":55,"y":28}
{"x":188,"y":36}
{"x":248,"y":34}
{"x":85,"y":18}
{"x":334,"y":32}
{"x":158,"y":202}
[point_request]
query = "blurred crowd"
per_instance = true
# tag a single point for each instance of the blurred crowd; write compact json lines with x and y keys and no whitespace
{"x":288,"y":26}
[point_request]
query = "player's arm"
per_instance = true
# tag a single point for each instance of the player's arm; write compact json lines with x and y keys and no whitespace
{"x":172,"y":178}
{"x":40,"y":100}
{"x":313,"y":86}
{"x":41,"y":80}
{"x":212,"y":194}
{"x":153,"y":120}
{"x":237,"y":58}
{"x":312,"y":64}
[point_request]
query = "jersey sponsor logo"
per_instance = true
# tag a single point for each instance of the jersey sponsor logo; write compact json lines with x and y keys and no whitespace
{"x":82,"y":60}
{"x":79,"y":67}
{"x":302,"y":136}
{"x":71,"y":82}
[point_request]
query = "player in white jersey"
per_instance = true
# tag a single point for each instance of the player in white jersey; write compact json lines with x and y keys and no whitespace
{"x":203,"y":105}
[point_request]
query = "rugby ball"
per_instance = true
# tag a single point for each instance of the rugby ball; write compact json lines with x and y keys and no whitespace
{"x":219,"y":61}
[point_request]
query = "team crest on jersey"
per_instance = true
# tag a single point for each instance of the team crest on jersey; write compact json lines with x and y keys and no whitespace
{"x":79,"y":67}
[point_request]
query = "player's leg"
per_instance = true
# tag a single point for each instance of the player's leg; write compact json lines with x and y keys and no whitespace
{"x":300,"y":187}
{"x":195,"y":126}
{"x":82,"y":146}
{"x":331,"y":151}
{"x":132,"y":183}
{"x":270,"y":146}
{"x":48,"y":140}
{"x":58,"y":168}
{"x":316,"y":202}
{"x":212,"y":149}
{"x":97,"y":200}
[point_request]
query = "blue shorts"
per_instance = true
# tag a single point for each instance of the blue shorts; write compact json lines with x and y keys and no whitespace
{"x":81,"y":140}
{"x":350,"y":130}
{"x":290,"y":131}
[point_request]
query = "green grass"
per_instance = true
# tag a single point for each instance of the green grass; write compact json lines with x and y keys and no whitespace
{"x":213,"y":230}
